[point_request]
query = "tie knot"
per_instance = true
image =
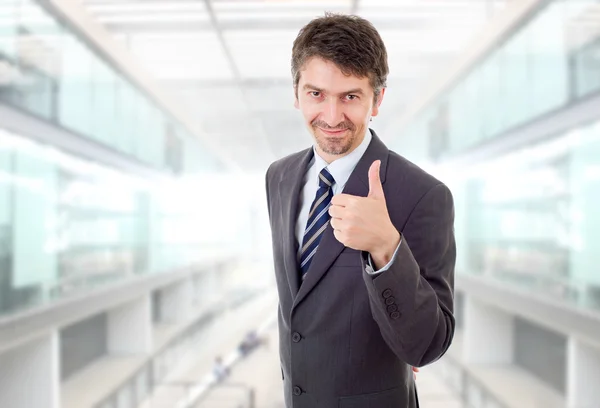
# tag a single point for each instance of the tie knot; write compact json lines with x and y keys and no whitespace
{"x":326,"y":180}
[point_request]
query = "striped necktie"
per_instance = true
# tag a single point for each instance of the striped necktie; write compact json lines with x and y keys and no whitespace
{"x":318,"y":220}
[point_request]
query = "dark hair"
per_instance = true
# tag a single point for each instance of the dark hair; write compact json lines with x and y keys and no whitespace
{"x":350,"y":42}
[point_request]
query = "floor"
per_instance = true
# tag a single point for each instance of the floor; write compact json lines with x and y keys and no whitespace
{"x":260,"y":372}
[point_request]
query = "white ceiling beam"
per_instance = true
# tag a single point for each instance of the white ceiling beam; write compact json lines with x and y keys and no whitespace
{"x":124,"y":62}
{"x":236,"y":71}
{"x":280,"y":24}
{"x":219,"y":31}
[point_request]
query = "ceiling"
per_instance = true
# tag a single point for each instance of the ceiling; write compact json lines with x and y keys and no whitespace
{"x":228,"y":61}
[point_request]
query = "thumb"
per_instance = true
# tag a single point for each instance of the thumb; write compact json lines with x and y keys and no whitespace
{"x":375,"y":187}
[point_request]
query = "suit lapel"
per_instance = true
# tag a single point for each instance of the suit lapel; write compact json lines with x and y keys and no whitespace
{"x":358,"y":185}
{"x":289,"y":190}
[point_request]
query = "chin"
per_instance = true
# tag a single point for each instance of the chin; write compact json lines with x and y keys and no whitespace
{"x":335,"y":148}
{"x":332,"y":145}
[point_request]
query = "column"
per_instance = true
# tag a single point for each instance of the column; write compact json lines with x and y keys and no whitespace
{"x":488,"y":334}
{"x":583,"y":374}
{"x":130,"y":327}
{"x":29,"y":374}
{"x":202,"y":289}
{"x":176,"y":301}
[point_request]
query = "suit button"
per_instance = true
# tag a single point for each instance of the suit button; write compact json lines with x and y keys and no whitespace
{"x":296,"y":337}
{"x":390,"y":301}
{"x":392,"y":308}
{"x":387,"y":293}
{"x":297,"y":390}
{"x":395,"y":315}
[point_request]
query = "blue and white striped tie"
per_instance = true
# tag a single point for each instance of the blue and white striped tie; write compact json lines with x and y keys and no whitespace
{"x":318,"y":220}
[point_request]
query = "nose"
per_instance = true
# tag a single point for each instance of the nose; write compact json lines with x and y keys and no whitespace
{"x":333,"y":114}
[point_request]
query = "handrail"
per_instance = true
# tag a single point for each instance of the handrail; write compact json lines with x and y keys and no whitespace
{"x":467,"y":382}
{"x":148,"y":365}
{"x":201,"y":390}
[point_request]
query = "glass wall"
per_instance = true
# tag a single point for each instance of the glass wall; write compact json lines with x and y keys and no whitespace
{"x":66,"y":224}
{"x":69,"y":225}
{"x":47,"y":70}
{"x":551,"y":61}
{"x":531,"y":218}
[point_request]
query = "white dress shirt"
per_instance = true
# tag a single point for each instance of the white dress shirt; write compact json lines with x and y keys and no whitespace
{"x":340,"y":170}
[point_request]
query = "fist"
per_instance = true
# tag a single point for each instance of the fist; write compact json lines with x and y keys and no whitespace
{"x":363,"y":223}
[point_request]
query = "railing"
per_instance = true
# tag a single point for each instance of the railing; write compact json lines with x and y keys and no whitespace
{"x":140,"y":385}
{"x":248,"y":400}
{"x":472,"y":392}
{"x":199,"y":392}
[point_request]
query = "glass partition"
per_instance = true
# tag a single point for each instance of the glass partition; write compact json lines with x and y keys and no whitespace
{"x":549,"y":62}
{"x":68,"y":225}
{"x":49,"y":71}
{"x":531,"y":218}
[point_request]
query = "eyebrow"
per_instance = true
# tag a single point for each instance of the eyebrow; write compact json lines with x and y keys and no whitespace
{"x":316,"y":88}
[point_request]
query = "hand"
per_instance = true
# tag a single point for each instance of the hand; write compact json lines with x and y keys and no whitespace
{"x":363,"y":223}
{"x":415,"y":371}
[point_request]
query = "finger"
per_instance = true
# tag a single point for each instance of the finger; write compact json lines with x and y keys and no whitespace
{"x":336,"y":211}
{"x":338,"y":235}
{"x":375,"y":187}
{"x":342,"y":200}
{"x":337,"y":224}
{"x":333,"y":222}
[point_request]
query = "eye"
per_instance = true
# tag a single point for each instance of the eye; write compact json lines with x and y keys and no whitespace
{"x":351,"y":97}
{"x":316,"y":94}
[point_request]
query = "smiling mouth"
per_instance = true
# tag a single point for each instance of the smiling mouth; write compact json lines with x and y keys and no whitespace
{"x":333,"y":132}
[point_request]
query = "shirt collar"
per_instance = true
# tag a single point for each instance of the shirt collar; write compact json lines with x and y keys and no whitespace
{"x":342,"y":168}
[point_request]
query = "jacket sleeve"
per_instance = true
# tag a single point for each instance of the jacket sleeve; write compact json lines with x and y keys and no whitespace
{"x":412,"y":301}
{"x":267,"y":182}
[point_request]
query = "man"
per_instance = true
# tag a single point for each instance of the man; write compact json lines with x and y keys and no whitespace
{"x":220,"y":370}
{"x":363,"y":242}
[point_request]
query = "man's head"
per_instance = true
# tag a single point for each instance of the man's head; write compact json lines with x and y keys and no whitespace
{"x":339,"y":68}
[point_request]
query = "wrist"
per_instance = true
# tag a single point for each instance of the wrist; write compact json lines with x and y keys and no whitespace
{"x":384,"y":253}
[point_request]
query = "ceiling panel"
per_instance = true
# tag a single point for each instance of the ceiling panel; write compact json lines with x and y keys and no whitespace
{"x":197,"y":50}
{"x":142,"y":7}
{"x":182,"y":56}
{"x":262,"y":54}
{"x":249,"y":5}
{"x":211,"y":101}
{"x":272,"y":98}
{"x":420,"y":42}
{"x":431,"y":5}
{"x":275,"y":15}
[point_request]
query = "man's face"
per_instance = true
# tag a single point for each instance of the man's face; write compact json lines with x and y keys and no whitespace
{"x":336,"y":107}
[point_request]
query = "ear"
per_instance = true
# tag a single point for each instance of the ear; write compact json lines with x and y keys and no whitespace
{"x":375,"y":110}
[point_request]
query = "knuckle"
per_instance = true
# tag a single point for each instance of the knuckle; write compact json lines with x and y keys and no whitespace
{"x":352,"y":218}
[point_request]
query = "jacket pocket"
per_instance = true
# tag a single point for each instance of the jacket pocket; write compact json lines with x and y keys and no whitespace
{"x":392,"y":398}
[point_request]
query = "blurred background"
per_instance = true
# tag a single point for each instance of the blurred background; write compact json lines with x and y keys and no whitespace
{"x":124,"y":283}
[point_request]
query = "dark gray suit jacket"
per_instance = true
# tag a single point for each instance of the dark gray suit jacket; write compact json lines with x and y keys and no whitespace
{"x":348,"y":339}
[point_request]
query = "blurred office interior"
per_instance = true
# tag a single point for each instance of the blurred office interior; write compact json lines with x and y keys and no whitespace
{"x":123,"y":279}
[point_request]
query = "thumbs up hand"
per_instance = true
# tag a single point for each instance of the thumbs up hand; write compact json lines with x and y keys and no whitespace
{"x":363,"y":223}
